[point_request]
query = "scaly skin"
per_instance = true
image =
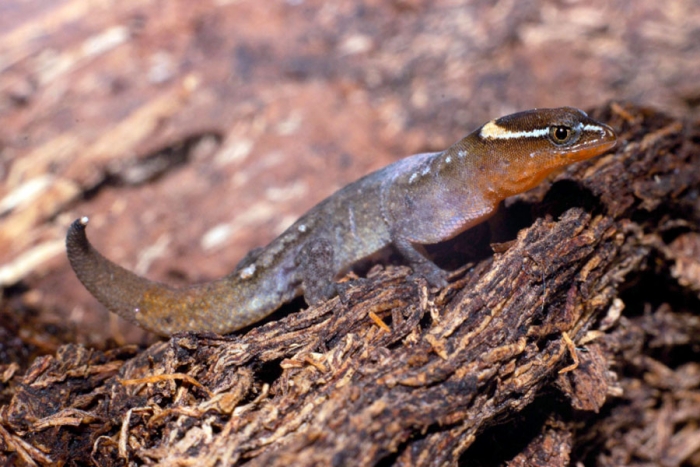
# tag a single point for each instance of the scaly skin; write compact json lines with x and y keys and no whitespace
{"x":422,"y":199}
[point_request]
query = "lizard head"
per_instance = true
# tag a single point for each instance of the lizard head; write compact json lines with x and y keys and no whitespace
{"x":524,"y":148}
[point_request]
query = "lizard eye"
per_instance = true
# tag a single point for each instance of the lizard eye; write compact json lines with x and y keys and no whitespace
{"x":561,"y":134}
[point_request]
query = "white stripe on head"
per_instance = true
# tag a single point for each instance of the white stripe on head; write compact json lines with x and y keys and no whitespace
{"x":598,"y":128}
{"x":493,"y":131}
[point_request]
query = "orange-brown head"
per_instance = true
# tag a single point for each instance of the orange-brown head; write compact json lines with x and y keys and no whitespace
{"x":520,"y":150}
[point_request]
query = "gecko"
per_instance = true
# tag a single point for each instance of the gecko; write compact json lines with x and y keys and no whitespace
{"x":422,"y":199}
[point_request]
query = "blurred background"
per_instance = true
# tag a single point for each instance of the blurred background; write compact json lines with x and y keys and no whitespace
{"x":191,"y":132}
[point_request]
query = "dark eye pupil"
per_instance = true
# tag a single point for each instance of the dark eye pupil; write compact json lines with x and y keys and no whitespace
{"x":561,"y":133}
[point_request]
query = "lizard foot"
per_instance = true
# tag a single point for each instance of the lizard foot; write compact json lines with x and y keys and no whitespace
{"x":435,"y":276}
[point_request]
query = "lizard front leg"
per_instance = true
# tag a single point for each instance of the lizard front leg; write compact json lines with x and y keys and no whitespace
{"x":421,"y":265}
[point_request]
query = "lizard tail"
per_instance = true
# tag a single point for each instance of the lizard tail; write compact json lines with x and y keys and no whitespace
{"x":155,"y":306}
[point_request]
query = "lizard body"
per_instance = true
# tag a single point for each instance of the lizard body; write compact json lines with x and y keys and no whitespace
{"x":422,"y":199}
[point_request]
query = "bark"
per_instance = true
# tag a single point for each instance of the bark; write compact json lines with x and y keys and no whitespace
{"x":605,"y":255}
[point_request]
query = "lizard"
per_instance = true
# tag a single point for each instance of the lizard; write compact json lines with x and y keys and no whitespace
{"x":419,"y":200}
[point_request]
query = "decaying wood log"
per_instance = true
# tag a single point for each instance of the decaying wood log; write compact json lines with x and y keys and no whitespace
{"x":577,"y":340}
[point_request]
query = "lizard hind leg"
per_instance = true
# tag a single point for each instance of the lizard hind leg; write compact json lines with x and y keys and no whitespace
{"x":316,"y":264}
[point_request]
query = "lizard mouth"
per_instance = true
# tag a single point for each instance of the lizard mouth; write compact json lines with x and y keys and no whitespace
{"x":592,"y":151}
{"x":595,"y":146}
